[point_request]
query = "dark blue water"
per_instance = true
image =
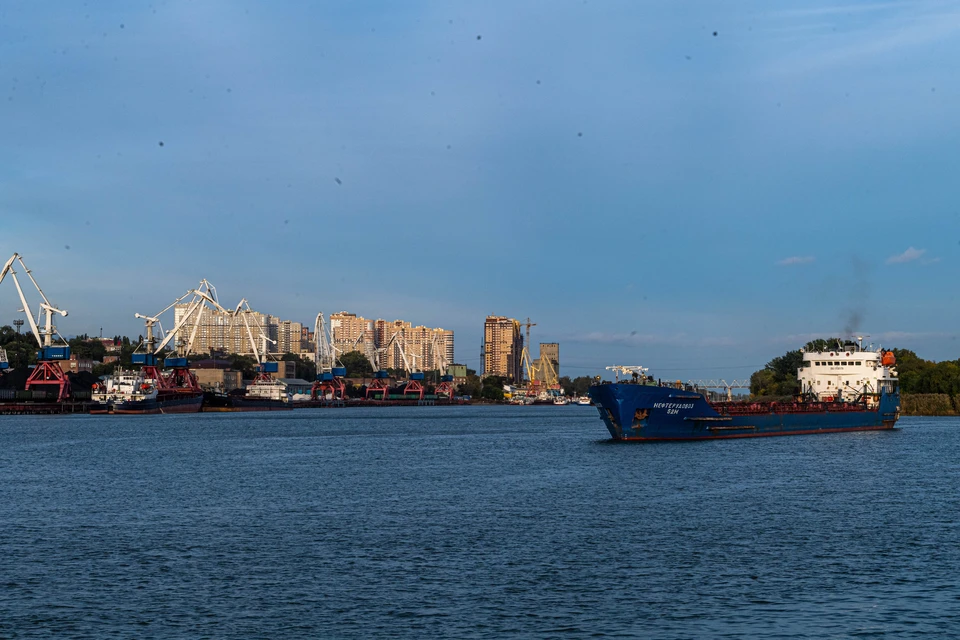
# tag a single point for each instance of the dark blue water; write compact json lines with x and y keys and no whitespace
{"x":470,"y":522}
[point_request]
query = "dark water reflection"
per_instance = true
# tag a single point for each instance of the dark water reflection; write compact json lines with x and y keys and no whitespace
{"x":470,"y":522}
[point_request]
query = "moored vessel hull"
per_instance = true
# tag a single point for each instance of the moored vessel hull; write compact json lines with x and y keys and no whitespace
{"x":180,"y":402}
{"x":174,"y":403}
{"x":638,"y":412}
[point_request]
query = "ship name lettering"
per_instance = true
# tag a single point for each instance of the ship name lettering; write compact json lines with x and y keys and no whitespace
{"x":673,"y":405}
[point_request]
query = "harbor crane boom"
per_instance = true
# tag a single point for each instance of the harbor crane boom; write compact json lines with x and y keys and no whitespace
{"x":47,"y":372}
{"x":44,"y":339}
{"x":329,"y":384}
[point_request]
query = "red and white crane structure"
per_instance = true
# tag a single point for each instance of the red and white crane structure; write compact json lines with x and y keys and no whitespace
{"x":48,"y":371}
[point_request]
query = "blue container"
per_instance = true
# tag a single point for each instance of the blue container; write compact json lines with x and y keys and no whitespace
{"x":270,"y":367}
{"x":446,"y":379}
{"x":144,"y":358}
{"x":174,"y":362}
{"x":417,"y":375}
{"x":54,"y":353}
{"x":340,"y":372}
{"x":325,"y":376}
{"x":4,"y":365}
{"x":381,"y":374}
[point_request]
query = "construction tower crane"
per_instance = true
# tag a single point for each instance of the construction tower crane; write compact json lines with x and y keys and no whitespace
{"x":47,"y":371}
{"x":330,"y":372}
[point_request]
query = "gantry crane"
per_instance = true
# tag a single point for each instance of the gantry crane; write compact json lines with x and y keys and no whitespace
{"x":48,"y":370}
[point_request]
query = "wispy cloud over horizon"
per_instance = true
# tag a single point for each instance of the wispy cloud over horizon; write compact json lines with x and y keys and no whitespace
{"x":909,"y":255}
{"x":895,"y":27}
{"x":635,"y":339}
{"x":792,"y":260}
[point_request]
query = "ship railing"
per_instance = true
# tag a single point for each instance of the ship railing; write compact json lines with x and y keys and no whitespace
{"x":757,"y":408}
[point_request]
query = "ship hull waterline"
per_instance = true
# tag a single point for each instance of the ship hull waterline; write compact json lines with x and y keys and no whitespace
{"x":643,"y":413}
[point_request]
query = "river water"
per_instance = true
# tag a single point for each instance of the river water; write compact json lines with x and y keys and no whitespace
{"x":470,"y":522}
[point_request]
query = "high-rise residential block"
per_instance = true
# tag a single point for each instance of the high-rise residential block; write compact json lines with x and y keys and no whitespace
{"x":502,"y":348}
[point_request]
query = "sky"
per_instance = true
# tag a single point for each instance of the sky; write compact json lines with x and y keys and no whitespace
{"x":692,"y":186}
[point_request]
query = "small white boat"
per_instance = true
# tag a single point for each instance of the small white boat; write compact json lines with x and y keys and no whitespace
{"x":561,"y":401}
{"x":583,"y":401}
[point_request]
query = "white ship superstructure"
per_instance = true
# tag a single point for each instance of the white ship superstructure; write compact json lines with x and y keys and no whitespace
{"x":846,"y":373}
{"x":124,"y":386}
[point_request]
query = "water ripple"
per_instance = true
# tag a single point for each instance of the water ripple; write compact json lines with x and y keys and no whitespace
{"x":470,"y":522}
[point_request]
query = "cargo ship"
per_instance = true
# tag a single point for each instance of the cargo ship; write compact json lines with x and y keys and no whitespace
{"x":847,"y":389}
{"x":130,"y":392}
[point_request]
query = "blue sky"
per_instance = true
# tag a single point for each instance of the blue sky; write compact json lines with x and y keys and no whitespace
{"x":646,"y":191}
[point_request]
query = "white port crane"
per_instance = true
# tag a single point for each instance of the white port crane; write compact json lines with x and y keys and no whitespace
{"x":44,"y":339}
{"x":326,"y":356}
{"x":438,"y":351}
{"x":330,"y":372}
{"x":46,"y":372}
{"x":244,"y":311}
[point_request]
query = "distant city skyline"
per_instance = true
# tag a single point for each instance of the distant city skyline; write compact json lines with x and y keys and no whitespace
{"x":694,"y":188}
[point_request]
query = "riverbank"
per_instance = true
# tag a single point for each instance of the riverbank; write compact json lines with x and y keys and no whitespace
{"x":929,"y":404}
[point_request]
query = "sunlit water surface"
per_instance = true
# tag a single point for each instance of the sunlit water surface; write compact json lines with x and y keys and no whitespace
{"x":470,"y":522}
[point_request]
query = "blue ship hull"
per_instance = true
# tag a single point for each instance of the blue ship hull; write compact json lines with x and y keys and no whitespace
{"x":644,"y":412}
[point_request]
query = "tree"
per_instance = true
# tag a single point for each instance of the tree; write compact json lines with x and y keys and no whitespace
{"x":247,"y":365}
{"x":357,"y":364}
{"x":305,"y":369}
{"x":87,"y":349}
{"x":763,"y":383}
{"x":492,"y":388}
{"x":472,"y":387}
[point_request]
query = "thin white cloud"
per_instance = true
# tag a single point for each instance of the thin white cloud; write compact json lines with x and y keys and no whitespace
{"x":635,"y":339}
{"x":845,"y":9}
{"x":931,"y":261}
{"x":899,"y":31}
{"x":796,"y":260}
{"x":909,"y":255}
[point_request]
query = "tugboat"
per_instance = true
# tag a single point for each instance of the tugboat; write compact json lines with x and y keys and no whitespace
{"x":846,"y":389}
